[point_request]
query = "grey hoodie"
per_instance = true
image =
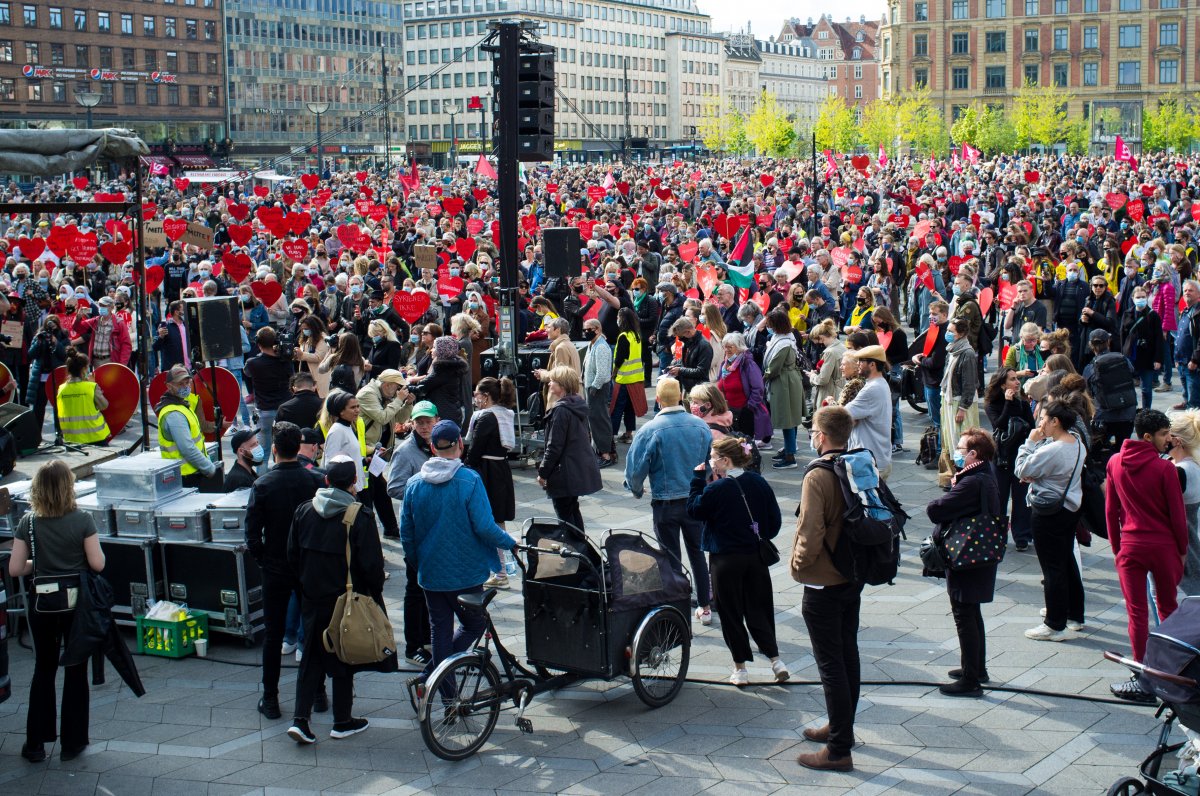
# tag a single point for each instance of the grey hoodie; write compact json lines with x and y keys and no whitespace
{"x":331,"y":501}
{"x":437,"y":470}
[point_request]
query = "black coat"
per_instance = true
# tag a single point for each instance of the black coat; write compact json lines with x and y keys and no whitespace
{"x":303,"y":409}
{"x":273,"y":501}
{"x":568,"y":462}
{"x":972,"y":490}
{"x":384,"y":355}
{"x":1142,"y":340}
{"x":999,"y":413}
{"x":697,"y":359}
{"x":444,"y":387}
{"x":93,"y":630}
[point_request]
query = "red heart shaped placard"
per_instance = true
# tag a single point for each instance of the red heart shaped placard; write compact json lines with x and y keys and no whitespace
{"x":83,"y":248}
{"x":453,"y":205}
{"x":361,"y":176}
{"x":310,"y":181}
{"x":766,"y":180}
{"x":410,"y":306}
{"x":1115,"y":200}
{"x":261,"y":191}
{"x":240,"y":212}
{"x":154,"y":278}
{"x":687,"y":251}
{"x":237,"y":267}
{"x":465,"y":247}
{"x":115,"y":251}
{"x":182,"y":183}
{"x":267,"y":292}
{"x":239,"y":233}
{"x":79,"y":182}
{"x":296,"y":250}
{"x":174,"y":228}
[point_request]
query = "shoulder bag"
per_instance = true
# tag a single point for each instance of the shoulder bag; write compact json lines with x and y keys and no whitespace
{"x":1045,"y":505}
{"x":360,"y":632}
{"x":974,"y":542}
{"x":52,"y":594}
{"x":768,"y":553}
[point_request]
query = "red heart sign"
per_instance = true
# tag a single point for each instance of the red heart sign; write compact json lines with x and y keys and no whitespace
{"x":239,"y":233}
{"x":267,"y":292}
{"x":551,"y":187}
{"x":663,"y":193}
{"x":110,"y":197}
{"x":687,"y":251}
{"x":115,"y":251}
{"x":764,"y":220}
{"x":61,"y":238}
{"x":237,"y":266}
{"x":434,"y":209}
{"x":83,"y":248}
{"x":465,"y":247}
{"x":182,"y":183}
{"x":207,"y":190}
{"x":453,"y":205}
{"x":299,"y":222}
{"x":1032,"y":177}
{"x":451,"y":286}
{"x":1196,"y":212}
{"x":766,"y":180}
{"x":174,"y":228}
{"x":1127,"y":244}
{"x":117,"y":228}
{"x":149,"y":210}
{"x":1135,"y":210}
{"x":310,"y":181}
{"x":655,"y":182}
{"x":269,"y":216}
{"x":361,"y":206}
{"x":474,"y":226}
{"x":861,"y":162}
{"x":79,"y":182}
{"x":154,"y":278}
{"x":435,"y":190}
{"x":361,"y":176}
{"x":240,"y":212}
{"x":726,"y":188}
{"x":289,"y":199}
{"x":348,"y":234}
{"x":377,"y":213}
{"x":410,"y":306}
{"x":480,"y":194}
{"x":32,"y":248}
{"x":840,"y":256}
{"x":296,"y":250}
{"x":530,"y":223}
{"x":1147,"y":190}
{"x":261,"y":191}
{"x":1115,"y":200}
{"x":623,"y":188}
{"x":595,"y":193}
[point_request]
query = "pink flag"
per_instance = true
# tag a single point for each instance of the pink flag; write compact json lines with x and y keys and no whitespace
{"x":1133,"y":163}
{"x":1121,"y":150}
{"x":484,"y":168}
{"x":609,"y":181}
{"x":830,"y":165}
{"x":932,"y":168}
{"x":158,"y":169}
{"x":970,"y":153}
{"x":955,"y":162}
{"x":883,"y":158}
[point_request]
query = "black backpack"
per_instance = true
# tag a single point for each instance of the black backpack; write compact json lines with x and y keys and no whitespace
{"x":342,"y":378}
{"x":755,"y":465}
{"x":1112,"y":382}
{"x":868,"y":550}
{"x":927,"y":451}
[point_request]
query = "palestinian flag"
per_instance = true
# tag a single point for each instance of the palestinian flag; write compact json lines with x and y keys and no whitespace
{"x":740,"y":265}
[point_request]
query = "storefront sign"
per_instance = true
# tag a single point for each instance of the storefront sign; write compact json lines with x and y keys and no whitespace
{"x":37,"y":72}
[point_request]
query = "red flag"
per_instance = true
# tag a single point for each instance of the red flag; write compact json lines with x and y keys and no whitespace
{"x":932,"y":169}
{"x":883,"y":158}
{"x":970,"y":153}
{"x":955,"y":162}
{"x":484,"y":168}
{"x":830,"y":165}
{"x":931,"y":336}
{"x":1133,"y":163}
{"x":1121,"y":150}
{"x":609,"y":181}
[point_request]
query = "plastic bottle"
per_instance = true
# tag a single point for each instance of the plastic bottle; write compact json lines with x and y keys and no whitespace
{"x":510,"y":563}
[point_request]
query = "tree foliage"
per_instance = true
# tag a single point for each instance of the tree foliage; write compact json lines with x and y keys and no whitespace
{"x":768,"y":128}
{"x":986,"y":128}
{"x":1169,"y":126}
{"x":1039,"y":116}
{"x":835,"y":128}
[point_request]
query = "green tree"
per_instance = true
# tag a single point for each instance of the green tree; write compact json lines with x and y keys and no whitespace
{"x":967,"y":127}
{"x":1077,"y":136}
{"x":768,"y":128}
{"x":878,"y":127}
{"x":996,"y":132}
{"x":715,"y":125}
{"x":835,"y":126}
{"x":1039,"y":115}
{"x":919,"y":122}
{"x":739,"y":141}
{"x":1170,"y":126}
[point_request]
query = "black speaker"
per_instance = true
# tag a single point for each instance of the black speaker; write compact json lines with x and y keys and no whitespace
{"x":21,"y":423}
{"x":561,"y":245}
{"x":212,"y":324}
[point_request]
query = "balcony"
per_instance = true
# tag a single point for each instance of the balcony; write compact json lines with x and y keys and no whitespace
{"x":994,"y":90}
{"x":1129,"y":87}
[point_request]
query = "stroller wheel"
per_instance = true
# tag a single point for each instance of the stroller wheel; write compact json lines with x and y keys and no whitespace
{"x":1127,"y":786}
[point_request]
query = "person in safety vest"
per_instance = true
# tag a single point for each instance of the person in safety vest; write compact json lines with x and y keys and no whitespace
{"x":80,"y":403}
{"x":180,"y":435}
{"x":629,"y":391}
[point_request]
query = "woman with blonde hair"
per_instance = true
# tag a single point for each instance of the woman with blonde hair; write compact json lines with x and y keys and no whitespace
{"x":385,"y":350}
{"x":708,"y":403}
{"x":827,"y":379}
{"x":1185,"y":452}
{"x":344,"y":364}
{"x":464,"y":329}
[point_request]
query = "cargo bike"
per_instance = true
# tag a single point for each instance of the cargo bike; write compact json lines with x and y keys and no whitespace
{"x":592,"y":612}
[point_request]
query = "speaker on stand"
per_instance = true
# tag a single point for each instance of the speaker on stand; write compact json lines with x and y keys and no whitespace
{"x":20,"y":421}
{"x":212,"y":327}
{"x":561,"y":247}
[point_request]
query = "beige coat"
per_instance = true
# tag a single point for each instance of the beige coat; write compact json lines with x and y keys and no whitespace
{"x":376,"y":416}
{"x":313,"y":362}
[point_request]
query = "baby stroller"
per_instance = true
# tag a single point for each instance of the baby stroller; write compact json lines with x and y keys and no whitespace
{"x":1172,"y":671}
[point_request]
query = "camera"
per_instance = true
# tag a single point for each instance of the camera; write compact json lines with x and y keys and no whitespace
{"x":5,"y":339}
{"x":331,"y":340}
{"x":285,"y":345}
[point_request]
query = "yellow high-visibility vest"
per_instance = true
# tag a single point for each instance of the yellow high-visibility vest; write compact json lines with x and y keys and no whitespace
{"x":631,"y":371}
{"x":169,"y":449}
{"x":81,"y":421}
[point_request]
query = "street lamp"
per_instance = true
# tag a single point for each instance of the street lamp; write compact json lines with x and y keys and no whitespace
{"x":453,"y":131}
{"x":318,"y":109}
{"x":89,"y":100}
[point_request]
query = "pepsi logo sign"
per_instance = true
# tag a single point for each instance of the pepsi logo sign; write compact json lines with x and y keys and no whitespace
{"x":29,"y":70}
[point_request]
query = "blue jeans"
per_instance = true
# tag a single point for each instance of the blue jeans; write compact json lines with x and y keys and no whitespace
{"x":933,"y":406}
{"x":1190,"y":379}
{"x":897,"y":423}
{"x":789,"y":441}
{"x":243,"y":410}
{"x":1147,"y":378}
{"x":266,"y":422}
{"x":293,"y":628}
{"x":448,"y":640}
{"x":1168,"y":355}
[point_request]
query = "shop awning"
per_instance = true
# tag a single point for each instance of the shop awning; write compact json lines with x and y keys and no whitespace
{"x":195,"y":161}
{"x":162,"y":161}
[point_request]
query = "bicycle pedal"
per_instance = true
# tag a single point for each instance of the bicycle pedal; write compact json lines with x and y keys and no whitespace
{"x":525,"y":726}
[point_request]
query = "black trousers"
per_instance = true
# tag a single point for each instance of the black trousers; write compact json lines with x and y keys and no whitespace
{"x":831,"y":615}
{"x":381,"y":501}
{"x":416,"y":612}
{"x":1019,"y":518}
{"x":49,"y":632}
{"x":316,"y":663}
{"x":742,"y":588}
{"x":972,"y":642}
{"x":277,"y":593}
{"x":1062,"y":586}
{"x":567,"y":510}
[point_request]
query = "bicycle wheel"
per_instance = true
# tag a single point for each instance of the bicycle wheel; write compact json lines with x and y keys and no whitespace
{"x":462,"y":703}
{"x":661,"y":646}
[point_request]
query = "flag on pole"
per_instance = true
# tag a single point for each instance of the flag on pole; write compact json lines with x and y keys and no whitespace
{"x":954,"y":161}
{"x":883,"y":158}
{"x":484,"y":168}
{"x":830,"y":165}
{"x":609,"y":181}
{"x":970,"y":153}
{"x":1121,"y":150}
{"x":158,"y":169}
{"x":932,"y":168}
{"x":740,"y":265}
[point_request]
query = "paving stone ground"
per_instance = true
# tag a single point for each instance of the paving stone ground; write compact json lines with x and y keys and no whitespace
{"x":197,"y":731}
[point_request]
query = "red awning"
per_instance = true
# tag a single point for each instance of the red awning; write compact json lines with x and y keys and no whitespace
{"x":195,"y":161}
{"x":157,"y":160}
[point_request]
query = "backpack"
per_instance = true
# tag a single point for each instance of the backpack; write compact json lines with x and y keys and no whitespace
{"x":868,"y":550}
{"x":755,"y":465}
{"x":1112,"y":383}
{"x":927,"y":451}
{"x":359,"y":632}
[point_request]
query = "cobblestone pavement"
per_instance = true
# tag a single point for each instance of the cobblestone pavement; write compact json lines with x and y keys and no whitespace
{"x":197,"y":731}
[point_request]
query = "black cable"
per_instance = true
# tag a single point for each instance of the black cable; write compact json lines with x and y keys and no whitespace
{"x":570,"y":103}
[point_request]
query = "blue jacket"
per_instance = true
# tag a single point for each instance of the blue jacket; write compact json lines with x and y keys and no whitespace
{"x":667,"y":449}
{"x":446,"y":527}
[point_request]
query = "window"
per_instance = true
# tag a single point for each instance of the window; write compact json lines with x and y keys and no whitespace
{"x":6,"y":51}
{"x":151,"y":94}
{"x":1168,"y":33}
{"x":172,"y":62}
{"x":106,"y":57}
{"x":960,"y":10}
{"x":169,"y":27}
{"x":1091,"y":74}
{"x":959,"y":78}
{"x":1129,"y":36}
{"x":210,"y":63}
{"x":858,"y":72}
{"x":1168,"y":71}
{"x":80,"y":18}
{"x":128,"y":58}
{"x":1091,"y":7}
{"x":29,"y":15}
{"x":1168,"y":3}
{"x":58,"y":55}
{"x":1060,"y":75}
{"x":995,"y":41}
{"x":994,"y":77}
{"x":148,"y":26}
{"x":921,"y":44}
{"x":35,"y":92}
{"x":920,"y":78}
{"x":5,"y":14}
{"x":172,"y":95}
{"x":1062,"y":39}
{"x":210,"y":30}
{"x":920,"y":12}
{"x":193,"y":62}
{"x":193,"y":95}
{"x":995,"y":9}
{"x":214,"y":96}
{"x":1031,"y":8}
{"x":1129,"y":73}
{"x":33,"y":52}
{"x":151,"y":64}
{"x":55,"y":17}
{"x":958,"y":43}
{"x":1091,"y":38}
{"x":1130,"y":5}
{"x":106,"y":93}
{"x":129,"y":93}
{"x":189,"y":27}
{"x":127,"y":24}
{"x":81,"y":56}
{"x":1062,"y":7}
{"x":58,"y":92}
{"x":103,"y":22}
{"x":8,"y":90}
{"x":1033,"y":74}
{"x":1032,"y":37}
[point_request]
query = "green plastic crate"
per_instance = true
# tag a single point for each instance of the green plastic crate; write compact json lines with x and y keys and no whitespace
{"x":171,"y":639}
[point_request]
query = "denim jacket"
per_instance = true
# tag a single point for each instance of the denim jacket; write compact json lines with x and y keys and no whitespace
{"x":667,"y":450}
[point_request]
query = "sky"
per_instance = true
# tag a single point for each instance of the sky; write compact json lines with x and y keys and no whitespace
{"x":766,"y":16}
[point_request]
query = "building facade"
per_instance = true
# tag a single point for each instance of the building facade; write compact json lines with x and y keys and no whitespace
{"x":964,"y":50}
{"x":740,"y":69}
{"x":847,"y":51}
{"x":154,"y":67}
{"x":287,"y":60}
{"x":658,"y":57}
{"x":796,"y":77}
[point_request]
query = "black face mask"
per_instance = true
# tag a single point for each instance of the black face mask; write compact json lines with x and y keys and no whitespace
{"x":590,"y":334}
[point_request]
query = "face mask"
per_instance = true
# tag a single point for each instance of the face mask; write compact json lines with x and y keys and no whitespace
{"x":356,"y":289}
{"x":205,"y":274}
{"x":257,"y":455}
{"x":311,"y":271}
{"x":308,"y":332}
{"x":455,"y":271}
{"x":1124,"y":225}
{"x":1140,"y":303}
{"x":184,"y":392}
{"x":941,"y":259}
{"x":960,"y":459}
{"x":957,"y":290}
{"x":589,"y":334}
{"x":376,"y":338}
{"x":247,"y":301}
{"x":949,"y":336}
{"x":1130,"y":272}
{"x":103,"y":310}
{"x":1072,"y":276}
{"x":472,"y":305}
{"x":414,"y":338}
{"x":1081,"y":241}
{"x":699,"y":410}
{"x":636,"y":293}
{"x":862,"y":302}
{"x":331,"y":289}
{"x":43,"y":281}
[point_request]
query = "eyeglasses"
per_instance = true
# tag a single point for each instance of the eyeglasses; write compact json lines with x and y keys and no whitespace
{"x":1098,"y":284}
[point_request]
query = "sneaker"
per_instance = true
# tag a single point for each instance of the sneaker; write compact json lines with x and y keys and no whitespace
{"x":419,"y":658}
{"x":1163,"y":388}
{"x":321,"y":702}
{"x":704,"y":615}
{"x":782,"y":675}
{"x":1180,"y":405}
{"x":897,"y":448}
{"x":1022,"y":547}
{"x":1074,"y":627}
{"x":786,"y":463}
{"x":300,"y":732}
{"x":740,"y":677}
{"x":289,"y":647}
{"x":1044,"y":633}
{"x":604,"y":463}
{"x":299,"y":654}
{"x":764,"y":446}
{"x":269,"y":707}
{"x":1132,"y":690}
{"x":1042,"y":613}
{"x":498,"y":580}
{"x":416,"y":691}
{"x":779,"y":455}
{"x":344,"y":729}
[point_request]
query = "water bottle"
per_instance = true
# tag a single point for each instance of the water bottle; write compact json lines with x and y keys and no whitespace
{"x":510,"y":563}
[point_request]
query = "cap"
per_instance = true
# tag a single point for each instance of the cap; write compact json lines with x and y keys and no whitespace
{"x":106,"y":302}
{"x":240,"y":437}
{"x":342,"y":472}
{"x":178,"y":373}
{"x":424,"y":409}
{"x":874,"y":352}
{"x":1099,"y":336}
{"x":391,"y":376}
{"x":446,"y":434}
{"x":666,"y":287}
{"x":310,"y":436}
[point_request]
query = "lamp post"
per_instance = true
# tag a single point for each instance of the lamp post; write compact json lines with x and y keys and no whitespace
{"x":318,"y":109}
{"x":453,"y":133}
{"x":476,"y":104}
{"x":89,"y":100}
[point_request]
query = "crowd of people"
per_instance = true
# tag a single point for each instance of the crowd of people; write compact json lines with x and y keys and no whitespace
{"x":750,"y":299}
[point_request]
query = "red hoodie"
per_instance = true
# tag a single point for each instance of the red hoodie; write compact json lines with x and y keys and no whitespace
{"x":1143,"y":501}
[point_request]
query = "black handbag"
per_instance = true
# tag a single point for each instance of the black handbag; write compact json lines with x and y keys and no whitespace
{"x":52,"y":594}
{"x":974,"y":542}
{"x":1048,"y":505}
{"x":933,"y":559}
{"x":768,"y":553}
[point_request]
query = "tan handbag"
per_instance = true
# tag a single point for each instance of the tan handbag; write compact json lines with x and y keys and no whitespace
{"x":359,"y":633}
